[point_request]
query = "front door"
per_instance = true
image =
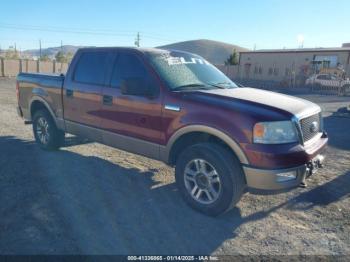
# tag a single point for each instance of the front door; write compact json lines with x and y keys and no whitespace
{"x":131,"y":122}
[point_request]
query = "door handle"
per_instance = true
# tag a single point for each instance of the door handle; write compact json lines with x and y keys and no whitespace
{"x":69,"y":93}
{"x":107,"y":100}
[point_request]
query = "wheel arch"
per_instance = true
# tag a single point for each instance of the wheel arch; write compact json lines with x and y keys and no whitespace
{"x":190,"y":135}
{"x":38,"y":103}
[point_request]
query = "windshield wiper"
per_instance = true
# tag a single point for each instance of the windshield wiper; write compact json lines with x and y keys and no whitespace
{"x":194,"y":86}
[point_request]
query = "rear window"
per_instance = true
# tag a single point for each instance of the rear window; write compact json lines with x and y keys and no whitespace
{"x":322,"y":77}
{"x":91,"y":68}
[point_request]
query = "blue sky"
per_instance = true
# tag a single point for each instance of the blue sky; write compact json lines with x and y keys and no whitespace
{"x":263,"y":23}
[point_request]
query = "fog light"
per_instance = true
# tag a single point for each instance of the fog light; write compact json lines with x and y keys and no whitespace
{"x":287,"y":176}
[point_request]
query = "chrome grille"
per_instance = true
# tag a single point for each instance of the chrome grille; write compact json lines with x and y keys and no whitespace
{"x":310,"y":126}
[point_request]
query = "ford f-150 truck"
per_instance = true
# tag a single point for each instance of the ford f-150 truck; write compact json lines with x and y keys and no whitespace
{"x":176,"y":107}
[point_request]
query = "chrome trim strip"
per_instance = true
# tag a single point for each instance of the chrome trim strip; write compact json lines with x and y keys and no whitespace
{"x":296,"y":119}
{"x":172,"y":108}
{"x":296,"y":122}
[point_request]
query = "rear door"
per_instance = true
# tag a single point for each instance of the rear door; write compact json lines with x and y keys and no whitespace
{"x":82,"y":95}
{"x":133,"y":122}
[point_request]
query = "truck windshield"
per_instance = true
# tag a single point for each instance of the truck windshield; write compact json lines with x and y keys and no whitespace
{"x":184,"y":71}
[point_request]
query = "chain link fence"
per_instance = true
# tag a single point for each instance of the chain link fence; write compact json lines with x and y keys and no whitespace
{"x":290,"y":80}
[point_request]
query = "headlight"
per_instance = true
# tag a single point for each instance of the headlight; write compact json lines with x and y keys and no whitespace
{"x":278,"y":132}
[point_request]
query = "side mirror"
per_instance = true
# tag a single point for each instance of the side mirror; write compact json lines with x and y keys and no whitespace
{"x":136,"y":87}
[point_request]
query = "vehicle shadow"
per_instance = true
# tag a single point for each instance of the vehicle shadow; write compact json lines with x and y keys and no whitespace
{"x":330,"y":192}
{"x":66,"y":203}
{"x":75,"y":140}
{"x":339,"y":128}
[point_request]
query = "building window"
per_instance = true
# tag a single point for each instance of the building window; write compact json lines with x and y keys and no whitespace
{"x":256,"y":70}
{"x":270,"y":71}
{"x":260,"y":70}
{"x":287,"y":72}
{"x":275,"y":71}
{"x":247,"y":70}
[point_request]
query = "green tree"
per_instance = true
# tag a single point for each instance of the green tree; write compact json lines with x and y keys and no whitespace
{"x":45,"y":58}
{"x":63,"y":58}
{"x":11,"y":54}
{"x":69,"y":57}
{"x":233,"y":58}
{"x":60,"y":57}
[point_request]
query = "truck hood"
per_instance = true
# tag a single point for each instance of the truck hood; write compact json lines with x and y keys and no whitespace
{"x":291,"y":104}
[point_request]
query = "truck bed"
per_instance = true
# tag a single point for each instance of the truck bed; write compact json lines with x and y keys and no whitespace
{"x":46,"y":88}
{"x":51,"y":80}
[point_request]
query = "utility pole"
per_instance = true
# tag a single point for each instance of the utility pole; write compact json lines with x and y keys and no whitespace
{"x":138,"y":39}
{"x":39,"y":49}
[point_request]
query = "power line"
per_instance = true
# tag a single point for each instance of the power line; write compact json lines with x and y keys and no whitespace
{"x":82,"y":31}
{"x":64,"y":31}
{"x":55,"y":28}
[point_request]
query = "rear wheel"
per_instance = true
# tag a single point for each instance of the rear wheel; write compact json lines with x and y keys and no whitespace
{"x":209,"y":178}
{"x":46,"y":134}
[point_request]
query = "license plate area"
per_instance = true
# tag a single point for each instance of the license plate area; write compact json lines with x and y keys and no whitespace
{"x":315,"y":164}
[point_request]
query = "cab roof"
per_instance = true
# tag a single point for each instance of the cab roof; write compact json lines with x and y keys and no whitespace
{"x":139,"y":49}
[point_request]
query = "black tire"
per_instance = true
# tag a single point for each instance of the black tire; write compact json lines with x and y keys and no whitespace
{"x":55,"y":137}
{"x":346,"y":90}
{"x":227,"y":167}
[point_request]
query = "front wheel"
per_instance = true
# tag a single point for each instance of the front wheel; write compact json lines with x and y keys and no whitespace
{"x":46,"y":134}
{"x":210,"y":178}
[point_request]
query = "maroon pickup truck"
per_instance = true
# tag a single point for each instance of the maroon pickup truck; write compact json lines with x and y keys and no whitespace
{"x":176,"y":107}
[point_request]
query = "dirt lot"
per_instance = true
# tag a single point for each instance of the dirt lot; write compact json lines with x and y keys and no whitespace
{"x":92,"y":199}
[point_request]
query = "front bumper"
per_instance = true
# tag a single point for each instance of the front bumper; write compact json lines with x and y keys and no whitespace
{"x":280,"y":179}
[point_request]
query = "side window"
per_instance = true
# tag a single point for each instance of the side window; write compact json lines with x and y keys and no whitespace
{"x":127,"y":66}
{"x":91,"y":68}
{"x":334,"y":77}
{"x":321,"y":77}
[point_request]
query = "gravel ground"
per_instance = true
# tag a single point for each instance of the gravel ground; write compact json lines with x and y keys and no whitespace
{"x":92,"y":199}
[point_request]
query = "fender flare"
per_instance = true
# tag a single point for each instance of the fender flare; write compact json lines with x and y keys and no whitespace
{"x":36,"y":98}
{"x":165,"y":152}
